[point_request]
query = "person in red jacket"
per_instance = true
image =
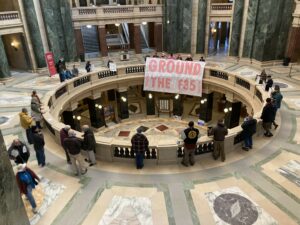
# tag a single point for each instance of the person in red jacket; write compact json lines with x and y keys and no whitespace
{"x":27,"y":180}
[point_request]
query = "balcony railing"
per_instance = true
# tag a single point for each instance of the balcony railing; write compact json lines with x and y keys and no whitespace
{"x":115,"y":13}
{"x":10,"y":18}
{"x":221,"y":9}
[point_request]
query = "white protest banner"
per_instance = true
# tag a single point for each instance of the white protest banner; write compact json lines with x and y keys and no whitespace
{"x":113,"y":67}
{"x":174,"y":76}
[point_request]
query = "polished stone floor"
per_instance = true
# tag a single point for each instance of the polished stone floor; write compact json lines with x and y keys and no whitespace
{"x":259,"y":187}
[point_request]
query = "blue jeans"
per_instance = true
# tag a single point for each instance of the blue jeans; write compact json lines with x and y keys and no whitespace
{"x":30,"y":196}
{"x":139,"y":159}
{"x":40,"y":156}
{"x":248,"y":142}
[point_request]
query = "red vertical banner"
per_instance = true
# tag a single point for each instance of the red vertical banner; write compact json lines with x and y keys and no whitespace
{"x":50,"y":63}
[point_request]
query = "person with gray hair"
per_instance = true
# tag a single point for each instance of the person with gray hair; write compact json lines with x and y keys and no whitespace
{"x":277,"y":98}
{"x":63,"y":135}
{"x":73,"y":146}
{"x":89,"y":144}
{"x":139,"y":144}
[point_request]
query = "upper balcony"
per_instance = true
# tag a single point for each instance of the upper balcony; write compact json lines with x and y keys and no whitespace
{"x":10,"y":21}
{"x":117,"y":14}
{"x":221,"y":9}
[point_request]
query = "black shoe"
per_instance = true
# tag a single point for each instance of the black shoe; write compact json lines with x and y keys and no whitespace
{"x":87,"y":160}
{"x":192,"y":164}
{"x":91,"y":164}
{"x":269,"y":135}
{"x":245,"y":148}
{"x":250,"y":147}
{"x":184,"y":164}
{"x":276,"y":125}
{"x":69,"y":162}
{"x":84,"y":172}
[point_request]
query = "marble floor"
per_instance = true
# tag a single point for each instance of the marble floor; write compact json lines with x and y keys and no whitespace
{"x":259,"y":187}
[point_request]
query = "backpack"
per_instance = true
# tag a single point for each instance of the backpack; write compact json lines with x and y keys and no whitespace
{"x":25,"y":177}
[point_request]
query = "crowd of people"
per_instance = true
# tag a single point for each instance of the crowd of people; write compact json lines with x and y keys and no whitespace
{"x":63,"y":72}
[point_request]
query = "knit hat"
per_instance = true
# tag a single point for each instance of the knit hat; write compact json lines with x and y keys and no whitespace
{"x":67,"y":127}
{"x":21,"y":167}
{"x":71,"y":133}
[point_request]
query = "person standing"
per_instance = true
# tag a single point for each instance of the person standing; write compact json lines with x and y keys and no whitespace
{"x":63,"y":135}
{"x":267,"y":117}
{"x":19,"y":152}
{"x":36,"y":112}
{"x":38,"y":145}
{"x":249,"y":128}
{"x":88,"y":66}
{"x":75,"y":71}
{"x":189,"y":58}
{"x":190,"y":138}
{"x":139,"y":144}
{"x":269,"y":83}
{"x":26,"y":122}
{"x":27,"y":180}
{"x":202,"y":59}
{"x":277,"y":98}
{"x":89,"y":144}
{"x":73,"y":145}
{"x":219,"y":132}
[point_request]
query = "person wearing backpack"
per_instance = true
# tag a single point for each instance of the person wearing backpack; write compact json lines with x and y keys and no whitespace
{"x":27,"y":180}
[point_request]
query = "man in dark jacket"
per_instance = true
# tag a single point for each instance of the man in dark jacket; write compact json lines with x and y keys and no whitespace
{"x":73,"y":146}
{"x":267,"y":117}
{"x":269,"y":83}
{"x":249,"y":128}
{"x":190,"y":138}
{"x":219,"y":132}
{"x":19,"y":152}
{"x":27,"y":180}
{"x":38,"y":145}
{"x":63,"y":135}
{"x":89,"y":144}
{"x":139,"y":144}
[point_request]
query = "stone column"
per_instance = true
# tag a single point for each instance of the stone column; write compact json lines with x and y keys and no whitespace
{"x":12,"y":208}
{"x":67,"y":24}
{"x":201,"y":25}
{"x":152,"y":34}
{"x":206,"y":107}
{"x":122,"y":101}
{"x":236,"y":27}
{"x":177,"y":105}
{"x":40,"y":21}
{"x":195,"y":9}
{"x":150,"y":103}
{"x":293,"y":46}
{"x":79,"y":43}
{"x":232,"y":114}
{"x":131,"y":34}
{"x":4,"y":67}
{"x":102,"y":40}
{"x":137,"y":39}
{"x":158,"y":37}
{"x":96,"y":112}
{"x":35,"y":35}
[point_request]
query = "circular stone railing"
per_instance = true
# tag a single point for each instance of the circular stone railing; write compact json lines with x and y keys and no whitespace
{"x":108,"y":149}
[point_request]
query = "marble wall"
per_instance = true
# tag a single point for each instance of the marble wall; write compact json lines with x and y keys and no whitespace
{"x":59,"y":29}
{"x":35,"y":34}
{"x":267,"y":27}
{"x":202,"y":9}
{"x":12,"y":211}
{"x":178,"y":26}
{"x":4,"y":67}
{"x":236,"y":27}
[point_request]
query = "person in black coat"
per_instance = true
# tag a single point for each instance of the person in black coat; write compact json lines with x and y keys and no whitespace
{"x":38,"y":145}
{"x":19,"y":152}
{"x":269,"y":83}
{"x":88,"y":66}
{"x":89,"y":144}
{"x":267,"y":117}
{"x":249,"y":128}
